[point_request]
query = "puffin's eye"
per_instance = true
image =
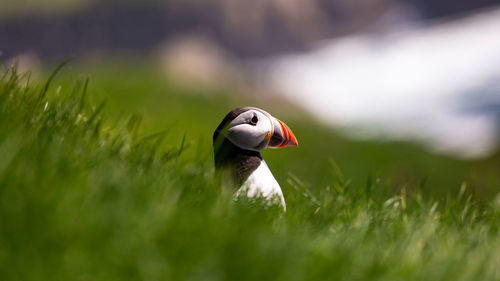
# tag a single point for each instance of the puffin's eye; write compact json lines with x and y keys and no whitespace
{"x":254,"y":120}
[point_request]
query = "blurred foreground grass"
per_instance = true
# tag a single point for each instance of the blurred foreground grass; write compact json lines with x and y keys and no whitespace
{"x":88,"y":193}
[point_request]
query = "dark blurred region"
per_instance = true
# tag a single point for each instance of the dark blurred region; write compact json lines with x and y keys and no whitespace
{"x":247,"y":29}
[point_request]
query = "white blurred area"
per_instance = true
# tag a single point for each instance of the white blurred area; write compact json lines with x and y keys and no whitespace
{"x":432,"y":83}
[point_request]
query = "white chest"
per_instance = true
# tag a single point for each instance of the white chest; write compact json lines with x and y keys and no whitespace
{"x":262,"y":183}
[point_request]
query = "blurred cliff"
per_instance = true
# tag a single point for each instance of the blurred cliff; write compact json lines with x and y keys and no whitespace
{"x":53,"y":29}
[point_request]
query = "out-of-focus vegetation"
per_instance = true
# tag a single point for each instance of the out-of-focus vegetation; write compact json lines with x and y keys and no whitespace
{"x":88,"y":191}
{"x":140,"y":88}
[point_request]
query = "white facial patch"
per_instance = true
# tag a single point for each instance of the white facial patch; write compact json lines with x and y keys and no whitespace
{"x":247,"y":134}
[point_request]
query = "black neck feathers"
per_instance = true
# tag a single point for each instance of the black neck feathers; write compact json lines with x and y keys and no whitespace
{"x":240,"y":162}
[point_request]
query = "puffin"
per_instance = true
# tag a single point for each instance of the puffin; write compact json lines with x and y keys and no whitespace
{"x":237,"y":143}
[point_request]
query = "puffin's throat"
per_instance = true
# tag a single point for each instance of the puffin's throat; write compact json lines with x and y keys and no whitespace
{"x":240,"y":162}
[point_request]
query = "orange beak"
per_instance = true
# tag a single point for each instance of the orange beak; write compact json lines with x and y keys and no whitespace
{"x":282,"y":136}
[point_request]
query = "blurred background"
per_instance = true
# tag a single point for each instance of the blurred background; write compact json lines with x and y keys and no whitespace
{"x":406,"y":90}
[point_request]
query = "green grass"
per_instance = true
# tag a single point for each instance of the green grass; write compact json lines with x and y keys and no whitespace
{"x":90,"y":193}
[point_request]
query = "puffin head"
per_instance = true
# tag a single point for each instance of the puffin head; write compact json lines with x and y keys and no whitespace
{"x":253,"y":129}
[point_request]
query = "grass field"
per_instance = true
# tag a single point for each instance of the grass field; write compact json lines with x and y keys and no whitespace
{"x":111,"y":178}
